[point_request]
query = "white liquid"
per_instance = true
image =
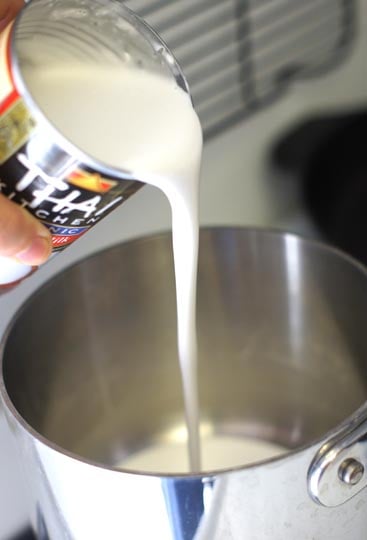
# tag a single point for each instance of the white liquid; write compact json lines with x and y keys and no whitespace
{"x":131,"y":119}
{"x":217,"y":452}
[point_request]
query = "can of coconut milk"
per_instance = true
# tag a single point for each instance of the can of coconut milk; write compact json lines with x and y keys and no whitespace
{"x":67,"y":190}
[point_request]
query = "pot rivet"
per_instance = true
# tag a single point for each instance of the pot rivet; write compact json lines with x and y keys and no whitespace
{"x":351,"y":472}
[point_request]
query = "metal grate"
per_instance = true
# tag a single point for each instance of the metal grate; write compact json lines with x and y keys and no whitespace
{"x":239,"y":55}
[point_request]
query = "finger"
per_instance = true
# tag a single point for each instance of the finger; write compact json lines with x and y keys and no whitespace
{"x":22,"y":237}
{"x":8,"y":10}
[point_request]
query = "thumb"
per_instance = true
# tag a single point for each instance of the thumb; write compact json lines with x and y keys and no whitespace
{"x":22,"y":237}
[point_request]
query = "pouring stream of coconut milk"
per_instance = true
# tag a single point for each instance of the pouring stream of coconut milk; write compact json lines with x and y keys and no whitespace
{"x":152,"y":130}
{"x":137,"y":120}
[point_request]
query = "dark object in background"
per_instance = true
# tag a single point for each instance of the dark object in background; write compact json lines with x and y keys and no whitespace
{"x":330,"y":158}
{"x":335,"y":187}
{"x":26,"y":535}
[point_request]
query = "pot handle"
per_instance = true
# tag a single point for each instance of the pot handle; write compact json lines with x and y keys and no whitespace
{"x":339,"y":469}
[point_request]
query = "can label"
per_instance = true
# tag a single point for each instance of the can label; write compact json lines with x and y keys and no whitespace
{"x":68,"y":206}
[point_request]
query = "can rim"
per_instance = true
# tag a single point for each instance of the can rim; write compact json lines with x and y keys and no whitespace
{"x":154,"y":41}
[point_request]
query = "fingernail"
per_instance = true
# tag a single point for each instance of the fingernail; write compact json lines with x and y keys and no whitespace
{"x":43,"y":232}
{"x":36,"y":253}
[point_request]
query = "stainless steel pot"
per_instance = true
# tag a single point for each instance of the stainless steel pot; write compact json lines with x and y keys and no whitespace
{"x":90,"y":375}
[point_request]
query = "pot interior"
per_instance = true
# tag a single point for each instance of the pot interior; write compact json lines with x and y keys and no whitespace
{"x":91,"y":363}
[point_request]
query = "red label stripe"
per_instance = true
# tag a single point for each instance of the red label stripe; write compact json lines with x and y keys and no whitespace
{"x":8,"y":101}
{"x":14,"y":95}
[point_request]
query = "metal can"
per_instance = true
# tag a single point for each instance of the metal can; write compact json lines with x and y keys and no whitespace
{"x":40,"y":169}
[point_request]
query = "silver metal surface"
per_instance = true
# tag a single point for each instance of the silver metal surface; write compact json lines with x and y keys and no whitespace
{"x":351,"y":471}
{"x":337,"y":472}
{"x":90,"y":375}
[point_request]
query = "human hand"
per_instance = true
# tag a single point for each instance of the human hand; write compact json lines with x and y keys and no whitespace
{"x":22,"y":236}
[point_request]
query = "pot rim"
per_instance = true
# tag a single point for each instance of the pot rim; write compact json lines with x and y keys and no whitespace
{"x":333,"y":433}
